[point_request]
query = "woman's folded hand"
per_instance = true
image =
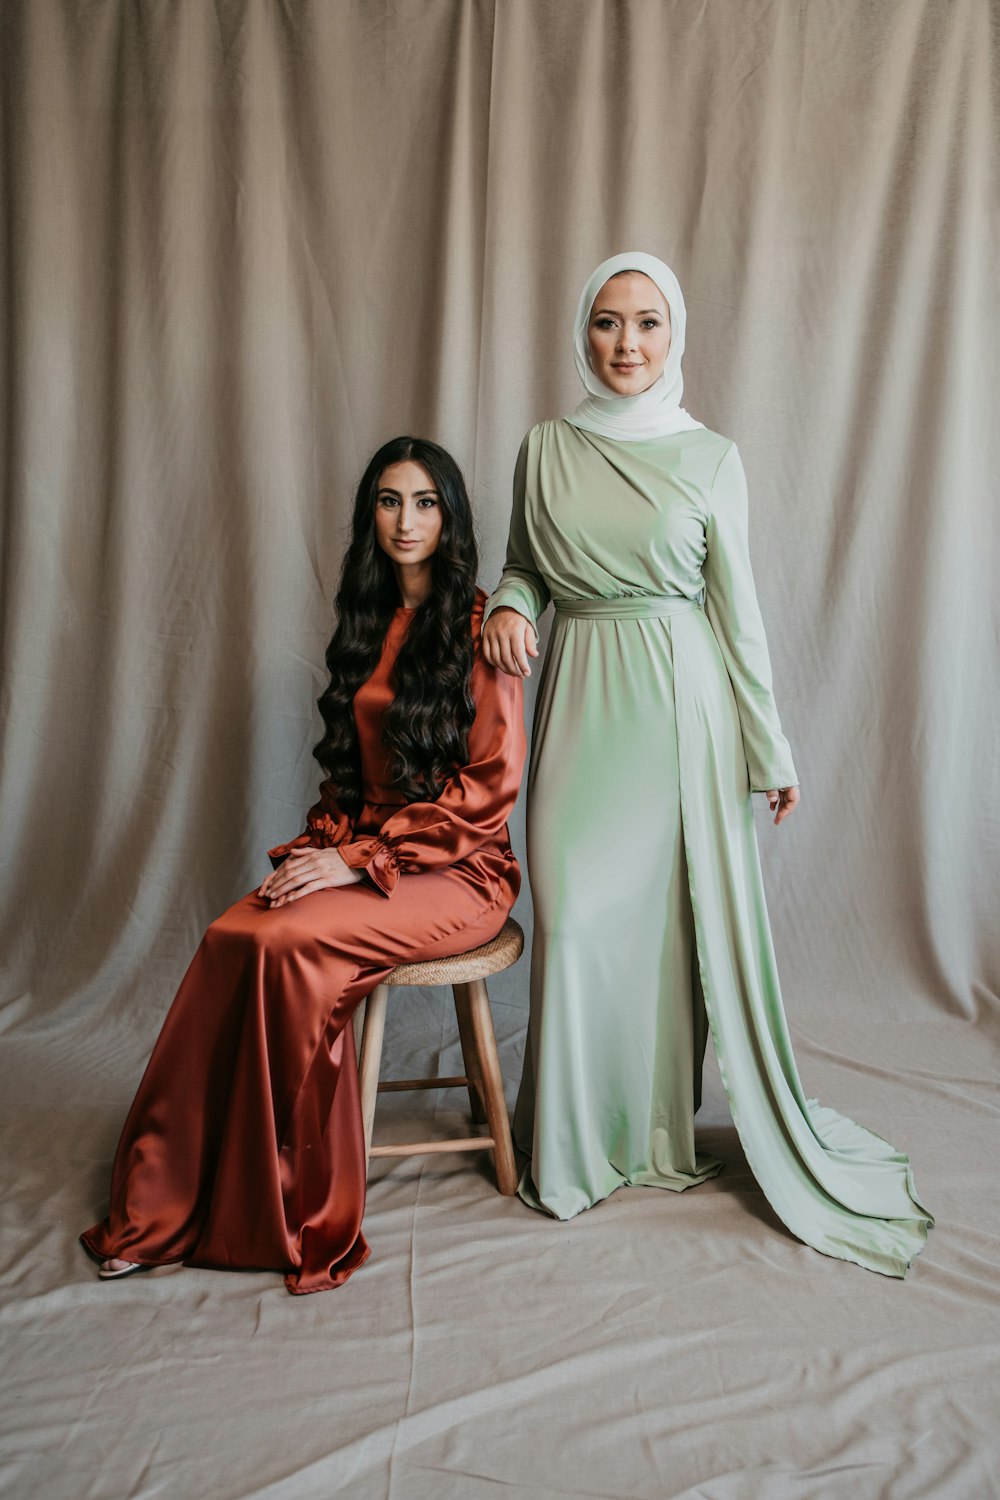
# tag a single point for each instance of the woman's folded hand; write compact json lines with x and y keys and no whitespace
{"x":304,"y":871}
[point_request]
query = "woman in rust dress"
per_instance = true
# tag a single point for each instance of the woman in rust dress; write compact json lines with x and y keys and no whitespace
{"x":244,"y":1146}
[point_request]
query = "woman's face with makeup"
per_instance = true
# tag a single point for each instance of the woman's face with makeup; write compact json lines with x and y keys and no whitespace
{"x":407,"y":514}
{"x":629,"y":333}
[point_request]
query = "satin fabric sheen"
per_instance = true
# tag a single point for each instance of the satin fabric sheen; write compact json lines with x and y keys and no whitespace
{"x":244,"y":1145}
{"x":655,"y":719}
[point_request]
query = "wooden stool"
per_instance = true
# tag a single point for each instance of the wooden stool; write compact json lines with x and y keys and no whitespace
{"x":466,"y":973}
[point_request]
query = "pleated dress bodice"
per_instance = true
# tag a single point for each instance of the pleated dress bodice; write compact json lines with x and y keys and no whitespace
{"x":595,"y":518}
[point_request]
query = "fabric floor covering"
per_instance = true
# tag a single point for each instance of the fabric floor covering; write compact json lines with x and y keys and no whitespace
{"x":657,"y":1346}
{"x":243,"y":244}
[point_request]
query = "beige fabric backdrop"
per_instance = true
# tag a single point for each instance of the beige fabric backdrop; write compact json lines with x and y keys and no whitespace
{"x":243,"y":243}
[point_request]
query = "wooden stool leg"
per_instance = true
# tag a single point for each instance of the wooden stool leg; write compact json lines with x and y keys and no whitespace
{"x":371,"y":1059}
{"x":485,"y":1044}
{"x":470,"y":1058}
{"x":358,"y":1020}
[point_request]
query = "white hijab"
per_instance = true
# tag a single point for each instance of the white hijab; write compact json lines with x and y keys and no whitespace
{"x":656,"y":412}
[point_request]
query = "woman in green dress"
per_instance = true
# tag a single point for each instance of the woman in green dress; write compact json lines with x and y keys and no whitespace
{"x":654,"y":722}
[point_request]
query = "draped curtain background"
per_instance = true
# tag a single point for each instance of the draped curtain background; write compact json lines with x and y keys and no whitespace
{"x":244,"y":242}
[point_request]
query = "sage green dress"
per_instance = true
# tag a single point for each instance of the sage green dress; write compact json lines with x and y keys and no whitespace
{"x":654,"y":721}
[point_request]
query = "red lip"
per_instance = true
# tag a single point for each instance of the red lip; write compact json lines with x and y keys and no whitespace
{"x":407,"y":542}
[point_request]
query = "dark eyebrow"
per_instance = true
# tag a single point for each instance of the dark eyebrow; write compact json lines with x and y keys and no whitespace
{"x":387,"y":489}
{"x":610,"y":312}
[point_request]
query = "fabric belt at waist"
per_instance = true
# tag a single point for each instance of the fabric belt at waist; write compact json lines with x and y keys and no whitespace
{"x":634,"y":607}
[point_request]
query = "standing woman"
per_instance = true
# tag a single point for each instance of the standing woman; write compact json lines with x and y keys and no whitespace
{"x":244,"y":1147}
{"x":654,"y":723}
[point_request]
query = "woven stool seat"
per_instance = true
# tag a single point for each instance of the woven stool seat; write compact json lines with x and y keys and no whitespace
{"x":466,"y":973}
{"x":491,"y":958}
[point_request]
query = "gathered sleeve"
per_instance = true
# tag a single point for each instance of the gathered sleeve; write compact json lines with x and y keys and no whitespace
{"x":475,"y":801}
{"x":734,"y":614}
{"x":327,"y":827}
{"x":521,"y":585}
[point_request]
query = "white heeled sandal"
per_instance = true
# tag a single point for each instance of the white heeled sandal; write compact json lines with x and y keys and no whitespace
{"x":114,"y":1269}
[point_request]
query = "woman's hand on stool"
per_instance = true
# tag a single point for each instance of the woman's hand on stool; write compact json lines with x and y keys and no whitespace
{"x":304,"y":871}
{"x":508,"y":640}
{"x":783,"y":802}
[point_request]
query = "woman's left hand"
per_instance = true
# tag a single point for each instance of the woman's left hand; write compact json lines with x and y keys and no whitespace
{"x":304,"y":871}
{"x":785,"y":800}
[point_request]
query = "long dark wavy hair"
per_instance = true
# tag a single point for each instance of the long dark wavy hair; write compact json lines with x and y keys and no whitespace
{"x":427,"y":726}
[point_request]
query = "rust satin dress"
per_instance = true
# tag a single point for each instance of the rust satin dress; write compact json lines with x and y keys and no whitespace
{"x":244,"y":1147}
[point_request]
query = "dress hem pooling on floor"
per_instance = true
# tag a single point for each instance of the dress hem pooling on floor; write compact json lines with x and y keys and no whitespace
{"x":655,"y":719}
{"x":244,"y":1146}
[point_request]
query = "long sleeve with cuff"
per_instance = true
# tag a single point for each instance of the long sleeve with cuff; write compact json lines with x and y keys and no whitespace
{"x":734,"y":614}
{"x":521,"y":585}
{"x":391,"y":837}
{"x":327,"y":827}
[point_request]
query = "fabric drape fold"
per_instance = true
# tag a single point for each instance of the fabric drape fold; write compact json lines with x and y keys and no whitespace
{"x":244,"y":1146}
{"x":655,"y":717}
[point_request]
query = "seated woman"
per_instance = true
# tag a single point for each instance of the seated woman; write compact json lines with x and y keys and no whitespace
{"x":244,"y":1146}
